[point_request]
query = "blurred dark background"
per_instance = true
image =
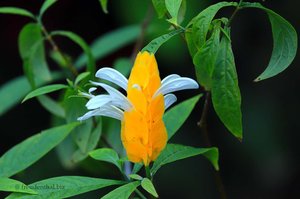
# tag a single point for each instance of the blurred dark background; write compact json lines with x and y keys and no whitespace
{"x":266,"y":164}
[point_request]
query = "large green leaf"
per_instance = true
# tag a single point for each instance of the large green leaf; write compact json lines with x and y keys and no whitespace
{"x":285,"y":43}
{"x":226,"y":95}
{"x":204,"y":60}
{"x":12,"y":92}
{"x":64,"y":187}
{"x":202,"y":21}
{"x":32,"y":149}
{"x":174,"y":152}
{"x":33,"y":54}
{"x":103,"y":4}
{"x":16,"y":11}
{"x":111,"y":42}
{"x":173,"y":8}
{"x":176,"y":116}
{"x":122,"y":192}
{"x":91,"y":64}
{"x":44,"y":90}
{"x":153,"y":46}
{"x":11,"y":185}
{"x":107,"y":155}
{"x":160,"y":7}
{"x":47,"y":4}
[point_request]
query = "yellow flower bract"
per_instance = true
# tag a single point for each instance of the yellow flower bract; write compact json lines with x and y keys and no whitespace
{"x":144,"y":133}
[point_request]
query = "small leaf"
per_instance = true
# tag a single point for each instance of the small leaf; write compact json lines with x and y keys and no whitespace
{"x":91,"y":65}
{"x":122,"y":192}
{"x":174,"y":152}
{"x":285,"y":43}
{"x":32,"y":149}
{"x":153,"y":46}
{"x":204,"y":60}
{"x":16,"y":11}
{"x":65,"y":187}
{"x":81,"y":77}
{"x":11,"y":185}
{"x":176,"y":116}
{"x":203,"y":20}
{"x":110,"y":42}
{"x":137,"y":167}
{"x":44,"y":90}
{"x":47,"y":4}
{"x":136,"y":177}
{"x":160,"y":7}
{"x":31,"y":47}
{"x":173,"y":8}
{"x":52,"y":106}
{"x":226,"y":95}
{"x":107,"y":155}
{"x":104,"y":5}
{"x":149,"y":187}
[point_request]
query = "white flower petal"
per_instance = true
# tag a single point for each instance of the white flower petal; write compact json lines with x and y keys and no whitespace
{"x":108,"y":111}
{"x":169,"y":78}
{"x":117,"y":97}
{"x":169,"y":100}
{"x":176,"y":84}
{"x":92,"y":89}
{"x":98,"y":101}
{"x":113,"y":76}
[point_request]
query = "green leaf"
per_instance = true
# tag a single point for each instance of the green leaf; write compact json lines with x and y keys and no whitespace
{"x":16,"y":11}
{"x":44,"y":90}
{"x":203,"y":20}
{"x":64,"y":187}
{"x":91,"y":64}
{"x":111,"y":42}
{"x":153,"y":46}
{"x":137,"y":167}
{"x":174,"y":152}
{"x":226,"y":95}
{"x":31,"y":47}
{"x":47,"y":4}
{"x":81,"y":77}
{"x":10,"y":96}
{"x":160,"y":7}
{"x":123,"y":65}
{"x":52,"y":106}
{"x":285,"y":43}
{"x":173,"y":8}
{"x":176,"y":116}
{"x":149,"y":187}
{"x":204,"y":60}
{"x":32,"y":149}
{"x":136,"y":177}
{"x":122,"y":192}
{"x":95,"y":135}
{"x":107,"y":155}
{"x":11,"y":185}
{"x":104,"y":5}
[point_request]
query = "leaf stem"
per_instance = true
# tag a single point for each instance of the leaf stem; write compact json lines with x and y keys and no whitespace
{"x":148,"y":173}
{"x":203,"y":126}
{"x":140,"y":194}
{"x":55,"y":47}
{"x":237,"y":9}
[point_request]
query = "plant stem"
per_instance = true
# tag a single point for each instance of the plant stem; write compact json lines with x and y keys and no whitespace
{"x":148,"y":173}
{"x":140,"y":194}
{"x":237,"y":9}
{"x":57,"y":49}
{"x":139,"y":43}
{"x":203,"y":126}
